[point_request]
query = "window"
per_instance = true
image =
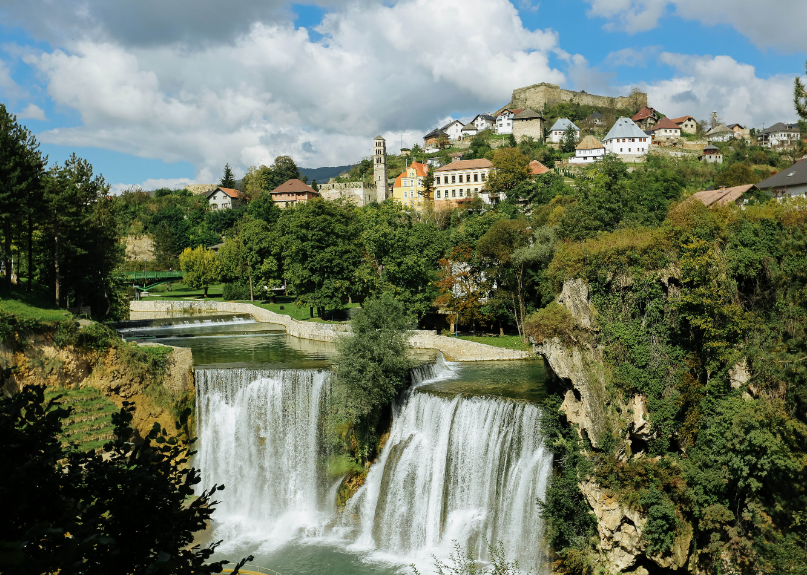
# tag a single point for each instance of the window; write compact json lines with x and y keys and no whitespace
{"x":460,"y":192}
{"x":620,"y":149}
{"x":406,"y":194}
{"x":476,"y":177}
{"x":438,"y":194}
{"x":476,"y":189}
{"x":460,"y":178}
{"x":437,"y":180}
{"x":420,"y":194}
{"x":453,"y":179}
{"x":453,"y":193}
{"x":629,"y":149}
{"x":483,"y":176}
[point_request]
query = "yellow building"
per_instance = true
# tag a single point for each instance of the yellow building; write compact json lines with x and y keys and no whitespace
{"x":409,"y":186}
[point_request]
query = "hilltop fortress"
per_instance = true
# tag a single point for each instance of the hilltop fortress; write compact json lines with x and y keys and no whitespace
{"x":537,"y":95}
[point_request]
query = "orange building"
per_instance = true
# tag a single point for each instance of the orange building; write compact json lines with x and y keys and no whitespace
{"x":409,"y":186}
{"x":292,"y":192}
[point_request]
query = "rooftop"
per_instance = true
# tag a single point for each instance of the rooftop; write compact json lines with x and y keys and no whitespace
{"x":624,"y":128}
{"x":645,"y":112}
{"x":666,"y":124}
{"x":722,"y":196}
{"x":795,"y":175}
{"x":589,"y":143}
{"x":537,"y":168}
{"x":527,"y":114}
{"x":466,"y":165}
{"x":683,"y":119}
{"x":235,"y":194}
{"x":294,"y":185}
{"x":562,"y":124}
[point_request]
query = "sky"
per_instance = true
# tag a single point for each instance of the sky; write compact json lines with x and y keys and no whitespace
{"x":157,"y":93}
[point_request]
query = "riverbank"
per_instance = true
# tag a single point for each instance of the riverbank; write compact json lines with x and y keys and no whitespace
{"x":452,"y":348}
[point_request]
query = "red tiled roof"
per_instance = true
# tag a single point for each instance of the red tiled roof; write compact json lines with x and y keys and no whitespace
{"x":683,"y":119}
{"x":420,"y":170}
{"x":537,"y":168}
{"x":465,"y":165}
{"x":235,"y":194}
{"x":722,"y":196}
{"x":666,"y":124}
{"x":294,"y":185}
{"x":643,"y":113}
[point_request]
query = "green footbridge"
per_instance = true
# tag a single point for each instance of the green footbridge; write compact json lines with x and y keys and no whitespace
{"x":147,"y":280}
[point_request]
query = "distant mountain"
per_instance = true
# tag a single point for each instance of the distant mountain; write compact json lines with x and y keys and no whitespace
{"x":322,"y":175}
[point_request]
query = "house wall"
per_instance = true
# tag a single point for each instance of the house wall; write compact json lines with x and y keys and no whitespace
{"x":789,"y":191}
{"x":667,"y":134}
{"x":712,"y":158}
{"x":524,"y":128}
{"x":537,"y":95}
{"x":587,"y":156}
{"x":630,"y":147}
{"x":689,"y":126}
{"x":556,"y":136}
{"x":473,"y":182}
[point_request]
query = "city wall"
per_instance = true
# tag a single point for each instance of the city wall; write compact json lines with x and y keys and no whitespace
{"x":535,"y":96}
{"x":356,"y":192}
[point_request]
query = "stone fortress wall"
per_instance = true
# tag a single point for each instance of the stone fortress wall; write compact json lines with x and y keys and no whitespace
{"x":535,"y":96}
{"x":356,"y":192}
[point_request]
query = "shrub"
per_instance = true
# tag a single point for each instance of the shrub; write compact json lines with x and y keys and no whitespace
{"x":235,"y":290}
{"x":552,"y":321}
{"x":66,"y":333}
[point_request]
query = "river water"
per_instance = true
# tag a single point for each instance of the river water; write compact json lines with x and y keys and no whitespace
{"x":464,"y":462}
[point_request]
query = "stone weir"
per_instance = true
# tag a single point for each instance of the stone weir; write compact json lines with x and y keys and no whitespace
{"x":452,"y":348}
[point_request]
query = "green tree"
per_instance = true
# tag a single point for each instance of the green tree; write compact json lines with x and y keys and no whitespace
{"x":130,"y":509}
{"x":800,"y":101}
{"x":462,"y":286}
{"x":737,"y":175}
{"x":511,"y":141}
{"x":314,"y":185}
{"x":282,"y":170}
{"x":510,"y":168}
{"x":228,"y":179}
{"x":320,"y":252}
{"x":372,"y":366}
{"x":479,"y":147}
{"x":428,"y":185}
{"x":569,"y":140}
{"x":249,"y":253}
{"x":201,"y":267}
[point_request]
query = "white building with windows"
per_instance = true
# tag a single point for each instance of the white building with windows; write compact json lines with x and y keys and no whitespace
{"x":504,"y":121}
{"x":459,"y":181}
{"x":453,"y":129}
{"x":484,"y":122}
{"x":557,"y":131}
{"x":626,"y":139}
{"x":588,"y":151}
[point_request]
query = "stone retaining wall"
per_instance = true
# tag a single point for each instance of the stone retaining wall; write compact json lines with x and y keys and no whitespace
{"x":453,"y":349}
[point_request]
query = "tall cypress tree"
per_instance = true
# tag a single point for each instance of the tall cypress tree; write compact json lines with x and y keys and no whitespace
{"x":228,"y":180}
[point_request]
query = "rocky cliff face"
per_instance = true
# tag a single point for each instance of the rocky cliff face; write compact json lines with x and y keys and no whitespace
{"x":579,"y":373}
{"x":42,"y":363}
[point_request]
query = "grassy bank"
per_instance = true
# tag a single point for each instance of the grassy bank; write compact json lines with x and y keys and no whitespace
{"x":506,"y":341}
{"x":27,"y":306}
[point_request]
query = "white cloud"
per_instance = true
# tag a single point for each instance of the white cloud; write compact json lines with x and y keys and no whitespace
{"x":8,"y":87}
{"x":778,"y":24}
{"x":631,"y":57}
{"x":33,"y":112}
{"x":378,"y":69}
{"x":152,"y":184}
{"x":705,"y":84}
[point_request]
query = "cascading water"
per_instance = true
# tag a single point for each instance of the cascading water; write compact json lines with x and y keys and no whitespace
{"x":460,"y":468}
{"x":465,"y":469}
{"x":260,"y":436}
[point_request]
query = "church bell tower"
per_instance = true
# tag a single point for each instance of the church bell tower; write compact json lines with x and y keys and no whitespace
{"x":380,"y":169}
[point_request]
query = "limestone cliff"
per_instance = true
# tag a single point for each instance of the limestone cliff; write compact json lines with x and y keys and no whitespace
{"x":577,"y":371}
{"x":42,"y":363}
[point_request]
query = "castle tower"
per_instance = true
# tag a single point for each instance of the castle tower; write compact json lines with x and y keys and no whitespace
{"x":380,"y":169}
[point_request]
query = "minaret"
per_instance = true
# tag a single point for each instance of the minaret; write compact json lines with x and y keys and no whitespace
{"x":380,"y":169}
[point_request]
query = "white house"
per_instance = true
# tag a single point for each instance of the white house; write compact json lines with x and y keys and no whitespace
{"x":787,"y":183}
{"x":587,"y":151}
{"x":557,"y":131}
{"x":720,"y":133}
{"x":625,"y":138}
{"x":453,"y":129}
{"x":779,"y":135}
{"x":224,"y":199}
{"x":469,"y":130}
{"x":504,"y":121}
{"x":666,"y":130}
{"x":484,"y":122}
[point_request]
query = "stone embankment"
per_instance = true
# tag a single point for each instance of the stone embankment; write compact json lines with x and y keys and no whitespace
{"x":452,"y":348}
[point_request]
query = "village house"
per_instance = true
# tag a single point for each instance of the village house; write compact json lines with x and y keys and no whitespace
{"x":504,"y":121}
{"x":433,"y":139}
{"x":454,"y":130}
{"x":740,"y":131}
{"x":720,"y":133}
{"x":460,"y":181}
{"x":224,"y":199}
{"x":528,"y":123}
{"x":665,"y":130}
{"x":687,"y":124}
{"x":558,"y":130}
{"x":409,"y":186}
{"x":596,"y":119}
{"x":736,"y":195}
{"x":469,"y":130}
{"x":646,"y":118}
{"x":780,"y":135}
{"x":537,"y":168}
{"x":587,"y":151}
{"x":626,"y":139}
{"x":292,"y":192}
{"x":712,"y":155}
{"x":484,"y":122}
{"x":789,"y":182}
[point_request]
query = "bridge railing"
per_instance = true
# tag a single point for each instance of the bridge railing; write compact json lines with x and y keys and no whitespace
{"x":155,"y":275}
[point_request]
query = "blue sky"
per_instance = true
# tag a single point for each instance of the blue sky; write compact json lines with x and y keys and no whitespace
{"x":153,"y":97}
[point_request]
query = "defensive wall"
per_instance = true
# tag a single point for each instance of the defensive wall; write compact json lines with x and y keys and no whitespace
{"x":356,"y":192}
{"x":535,"y":96}
{"x":452,"y":348}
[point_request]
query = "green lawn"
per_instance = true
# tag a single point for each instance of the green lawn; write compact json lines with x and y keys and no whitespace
{"x":181,"y":291}
{"x":27,"y":306}
{"x":507,"y":341}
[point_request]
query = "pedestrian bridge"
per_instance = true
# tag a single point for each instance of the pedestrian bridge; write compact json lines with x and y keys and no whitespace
{"x":150,"y":279}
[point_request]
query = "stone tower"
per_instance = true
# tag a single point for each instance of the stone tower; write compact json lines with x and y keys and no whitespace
{"x":380,"y":169}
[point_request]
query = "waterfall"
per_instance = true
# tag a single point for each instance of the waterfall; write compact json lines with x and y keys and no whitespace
{"x":259,"y":435}
{"x":465,"y":469}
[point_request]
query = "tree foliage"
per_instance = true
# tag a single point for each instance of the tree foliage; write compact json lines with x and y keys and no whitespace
{"x":202,"y":268}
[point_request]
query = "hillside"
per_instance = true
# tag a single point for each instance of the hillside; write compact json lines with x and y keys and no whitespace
{"x":322,"y":175}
